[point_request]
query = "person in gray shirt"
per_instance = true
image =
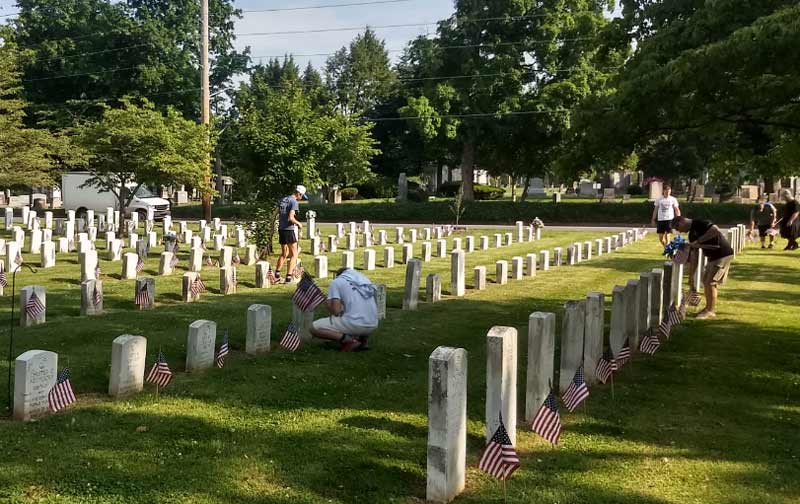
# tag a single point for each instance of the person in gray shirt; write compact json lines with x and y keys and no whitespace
{"x":353,"y":311}
{"x":289,"y":231}
{"x":763,"y":215}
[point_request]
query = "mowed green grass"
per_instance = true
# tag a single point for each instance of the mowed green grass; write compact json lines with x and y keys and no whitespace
{"x":714,"y":417}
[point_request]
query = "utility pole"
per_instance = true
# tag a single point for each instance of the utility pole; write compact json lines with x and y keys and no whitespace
{"x":205,"y":97}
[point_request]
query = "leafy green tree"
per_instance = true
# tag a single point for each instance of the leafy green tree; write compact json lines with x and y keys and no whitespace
{"x":349,"y":151}
{"x":28,"y":157}
{"x":138,"y":145}
{"x":721,"y":71}
{"x":94,"y":52}
{"x":360,"y":77}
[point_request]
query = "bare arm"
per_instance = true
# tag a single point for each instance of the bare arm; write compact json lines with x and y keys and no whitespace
{"x":655,"y":213}
{"x":792,"y":218}
{"x":335,"y":307}
{"x":293,"y":219}
{"x":677,"y":210}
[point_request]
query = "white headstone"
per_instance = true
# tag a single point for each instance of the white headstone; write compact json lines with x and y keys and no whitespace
{"x":38,"y":316}
{"x":411,"y":292}
{"x":321,"y":266}
{"x":457,"y":273}
{"x":348,"y":259}
{"x":501,"y":381}
{"x":408,"y":252}
{"x":48,"y":255}
{"x":516,"y":268}
{"x":88,"y":262}
{"x":259,"y":329}
{"x":129,"y":262}
{"x":128,"y":354}
{"x":572,"y":332}
{"x":201,"y":345}
{"x":369,"y":259}
{"x":541,"y":359}
{"x":34,"y":376}
{"x":501,"y":272}
{"x":388,"y":257}
{"x":479,"y":278}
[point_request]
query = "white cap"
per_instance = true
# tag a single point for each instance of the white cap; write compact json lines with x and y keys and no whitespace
{"x":301,"y":190}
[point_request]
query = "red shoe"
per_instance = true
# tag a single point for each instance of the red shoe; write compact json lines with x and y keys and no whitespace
{"x":350,"y":345}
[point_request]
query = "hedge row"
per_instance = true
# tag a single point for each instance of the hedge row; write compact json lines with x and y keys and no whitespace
{"x":494,"y":212}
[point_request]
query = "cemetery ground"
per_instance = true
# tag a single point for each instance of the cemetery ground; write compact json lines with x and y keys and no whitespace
{"x":713,"y":417}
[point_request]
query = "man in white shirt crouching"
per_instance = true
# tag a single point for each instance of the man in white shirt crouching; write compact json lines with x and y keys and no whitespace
{"x":353,"y":305}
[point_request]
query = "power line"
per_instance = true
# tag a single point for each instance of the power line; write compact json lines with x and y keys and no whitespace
{"x":326,"y":6}
{"x":497,"y":115}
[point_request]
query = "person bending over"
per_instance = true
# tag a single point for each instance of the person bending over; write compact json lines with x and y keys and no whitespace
{"x":665,"y":210}
{"x":289,"y":232}
{"x":764,"y":216}
{"x":790,"y":224}
{"x":705,"y":235}
{"x":353,"y":306}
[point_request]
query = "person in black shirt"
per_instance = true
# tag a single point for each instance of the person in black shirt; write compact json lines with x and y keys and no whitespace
{"x":705,"y":235}
{"x":790,"y":225}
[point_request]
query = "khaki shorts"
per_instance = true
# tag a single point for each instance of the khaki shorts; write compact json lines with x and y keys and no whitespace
{"x":343,"y":326}
{"x":717,"y":271}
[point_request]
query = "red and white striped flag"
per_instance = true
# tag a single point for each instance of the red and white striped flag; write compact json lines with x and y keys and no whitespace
{"x":97,"y":296}
{"x":3,"y":276}
{"x":160,"y":373}
{"x":174,"y":261}
{"x":142,"y":297}
{"x":139,"y":265}
{"x":604,"y":370}
{"x":694,"y":298}
{"x":18,"y":259}
{"x":34,"y":307}
{"x":577,"y":391}
{"x":649,"y":344}
{"x":197,"y":286}
{"x":547,"y":422}
{"x":61,"y":395}
{"x":291,"y":339}
{"x":499,"y":459}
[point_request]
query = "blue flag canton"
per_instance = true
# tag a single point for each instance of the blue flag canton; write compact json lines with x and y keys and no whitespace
{"x":64,"y":375}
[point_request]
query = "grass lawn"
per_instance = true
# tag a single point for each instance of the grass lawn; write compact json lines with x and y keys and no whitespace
{"x":712,"y":418}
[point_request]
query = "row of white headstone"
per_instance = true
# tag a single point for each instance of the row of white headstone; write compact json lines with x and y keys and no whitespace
{"x":638,"y":309}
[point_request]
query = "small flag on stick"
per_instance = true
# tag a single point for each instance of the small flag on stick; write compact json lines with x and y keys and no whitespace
{"x":308,"y":295}
{"x":623,"y":356}
{"x":649,"y":344}
{"x":271,"y":276}
{"x":142,"y":296}
{"x":197,"y":286}
{"x":604,"y":369}
{"x":97,"y":297}
{"x":291,"y":339}
{"x":160,"y":373}
{"x":139,"y":265}
{"x":547,"y":422}
{"x":3,"y":276}
{"x":499,"y":459}
{"x":577,"y":391}
{"x":34,"y":307}
{"x":694,"y":298}
{"x":223,"y":351}
{"x":61,"y":395}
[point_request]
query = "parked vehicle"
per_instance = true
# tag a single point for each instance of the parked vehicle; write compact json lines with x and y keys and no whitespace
{"x":81,"y":199}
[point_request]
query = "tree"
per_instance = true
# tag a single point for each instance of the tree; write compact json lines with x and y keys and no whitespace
{"x":137,"y":145}
{"x":360,"y":77}
{"x":94,"y":52}
{"x":349,"y":149}
{"x":28,"y":157}
{"x":722,"y":72}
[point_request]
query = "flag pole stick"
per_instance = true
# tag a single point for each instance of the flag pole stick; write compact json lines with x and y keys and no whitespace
{"x":612,"y":386}
{"x":505,"y":495}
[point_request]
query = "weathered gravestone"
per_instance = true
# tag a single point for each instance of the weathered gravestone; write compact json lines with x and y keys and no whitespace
{"x":48,"y":255}
{"x":427,"y":251}
{"x":447,"y":424}
{"x":262,"y":275}
{"x":259,"y":329}
{"x":321,"y":266}
{"x":200,"y":345}
{"x":594,"y":330}
{"x":632,"y":330}
{"x":190,"y":290}
{"x":148,"y":285}
{"x":303,"y":321}
{"x":388,"y":257}
{"x":34,"y":376}
{"x":517,"y":270}
{"x":91,"y":297}
{"x":369,"y":259}
{"x":656,"y":297}
{"x":479,"y":278}
{"x":127,"y":365}
{"x":617,"y":335}
{"x":645,"y":294}
{"x":408,"y":252}
{"x":165,"y":265}
{"x":380,"y":300}
{"x":530,"y":264}
{"x":541,"y":360}
{"x":501,"y":381}
{"x":572,"y":330}
{"x":457,"y":273}
{"x":227,"y":280}
{"x":411,"y":291}
{"x":433,"y":288}
{"x":544,"y":255}
{"x":484,"y":243}
{"x":501,"y":272}
{"x":348,"y":259}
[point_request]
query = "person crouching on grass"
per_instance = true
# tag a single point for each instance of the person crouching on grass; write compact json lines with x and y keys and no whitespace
{"x":666,"y":209}
{"x":705,"y":235}
{"x":352,"y":302}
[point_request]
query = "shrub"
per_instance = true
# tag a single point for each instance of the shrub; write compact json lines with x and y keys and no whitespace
{"x":635,"y":190}
{"x":484,"y":192}
{"x":448,"y":189}
{"x":349,"y":193}
{"x":378,"y":187}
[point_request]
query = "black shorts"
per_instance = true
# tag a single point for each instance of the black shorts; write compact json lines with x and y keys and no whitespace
{"x":287,"y":236}
{"x":762,"y":230}
{"x":663,"y":226}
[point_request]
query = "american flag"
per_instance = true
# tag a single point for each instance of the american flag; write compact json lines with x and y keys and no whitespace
{"x":3,"y":276}
{"x":160,"y":374}
{"x":209,"y":262}
{"x":139,"y":265}
{"x":142,"y":296}
{"x":623,"y":356}
{"x":271,"y":276}
{"x":61,"y":395}
{"x":223,"y":351}
{"x":291,"y":339}
{"x":682,"y":310}
{"x":577,"y":391}
{"x":18,"y":259}
{"x":236,"y":259}
{"x":97,"y":271}
{"x":308,"y":295}
{"x":694,"y":298}
{"x":674,"y":316}
{"x":97,"y":297}
{"x":547,"y":422}
{"x":34,"y":307}
{"x":666,"y":326}
{"x":197,"y":286}
{"x":604,"y":370}
{"x":174,"y":261}
{"x":649,"y":344}
{"x":499,"y":459}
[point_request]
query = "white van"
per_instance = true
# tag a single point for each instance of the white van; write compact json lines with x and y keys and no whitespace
{"x":80,"y":199}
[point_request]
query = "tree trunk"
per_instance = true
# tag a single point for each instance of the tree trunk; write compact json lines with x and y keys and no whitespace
{"x":467,"y":171}
{"x":220,"y":182}
{"x":525,"y":187}
{"x":513,"y":182}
